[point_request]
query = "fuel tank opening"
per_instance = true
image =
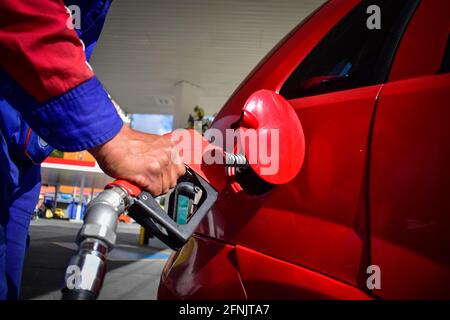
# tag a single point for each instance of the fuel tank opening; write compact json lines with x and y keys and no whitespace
{"x":251,"y":183}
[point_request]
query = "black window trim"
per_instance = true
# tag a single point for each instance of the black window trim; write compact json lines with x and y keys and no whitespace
{"x":445,"y":63}
{"x":390,"y":50}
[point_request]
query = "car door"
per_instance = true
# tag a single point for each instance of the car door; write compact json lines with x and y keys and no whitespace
{"x":409,"y":164}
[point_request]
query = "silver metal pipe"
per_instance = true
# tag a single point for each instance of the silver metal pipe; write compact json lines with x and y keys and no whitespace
{"x":96,"y":238}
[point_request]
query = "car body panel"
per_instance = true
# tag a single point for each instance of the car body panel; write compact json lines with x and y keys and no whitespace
{"x":409,"y":188}
{"x":203,"y":269}
{"x":409,"y":173}
{"x":282,"y":280}
{"x":319,"y":219}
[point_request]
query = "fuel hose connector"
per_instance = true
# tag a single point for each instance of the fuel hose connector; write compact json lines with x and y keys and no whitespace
{"x":97,"y":237}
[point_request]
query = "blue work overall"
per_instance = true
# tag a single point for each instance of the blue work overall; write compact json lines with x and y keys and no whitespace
{"x":21,"y":152}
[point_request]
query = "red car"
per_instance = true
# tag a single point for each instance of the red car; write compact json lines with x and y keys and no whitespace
{"x":370,"y":83}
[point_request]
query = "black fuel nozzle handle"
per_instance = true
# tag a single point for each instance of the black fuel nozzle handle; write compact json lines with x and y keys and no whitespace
{"x":148,"y":213}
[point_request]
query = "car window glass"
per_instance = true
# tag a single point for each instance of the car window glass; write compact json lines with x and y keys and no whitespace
{"x":355,"y":53}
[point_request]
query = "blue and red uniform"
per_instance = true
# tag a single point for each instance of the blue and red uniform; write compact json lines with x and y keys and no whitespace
{"x":49,"y":98}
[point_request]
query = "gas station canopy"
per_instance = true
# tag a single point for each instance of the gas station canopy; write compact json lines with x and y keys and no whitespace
{"x":56,"y":171}
{"x":167,"y":56}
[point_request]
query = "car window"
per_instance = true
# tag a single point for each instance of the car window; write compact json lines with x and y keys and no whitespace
{"x":357,"y":52}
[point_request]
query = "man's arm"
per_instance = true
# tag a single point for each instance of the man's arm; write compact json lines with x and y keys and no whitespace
{"x":71,"y":109}
{"x":66,"y":103}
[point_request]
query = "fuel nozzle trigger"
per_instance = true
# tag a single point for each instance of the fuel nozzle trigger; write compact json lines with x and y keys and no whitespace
{"x":189,"y":202}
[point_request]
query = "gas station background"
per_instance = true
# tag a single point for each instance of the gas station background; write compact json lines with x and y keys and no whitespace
{"x":85,"y":178}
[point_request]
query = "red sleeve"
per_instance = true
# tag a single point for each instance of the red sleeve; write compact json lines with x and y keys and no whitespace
{"x":39,"y":50}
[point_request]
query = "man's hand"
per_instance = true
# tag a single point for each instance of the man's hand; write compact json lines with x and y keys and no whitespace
{"x":143,"y":159}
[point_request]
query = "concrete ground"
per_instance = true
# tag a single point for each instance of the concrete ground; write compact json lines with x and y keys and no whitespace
{"x":133,"y":270}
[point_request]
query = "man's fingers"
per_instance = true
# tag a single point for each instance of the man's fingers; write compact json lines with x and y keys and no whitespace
{"x":181,"y":169}
{"x":165,"y":179}
{"x":173,"y":176}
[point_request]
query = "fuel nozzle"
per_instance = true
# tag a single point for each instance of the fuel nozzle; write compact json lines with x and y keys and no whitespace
{"x":97,"y":237}
{"x":86,"y":270}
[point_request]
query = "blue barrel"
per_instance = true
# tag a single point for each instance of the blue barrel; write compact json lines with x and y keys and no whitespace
{"x":72,"y":210}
